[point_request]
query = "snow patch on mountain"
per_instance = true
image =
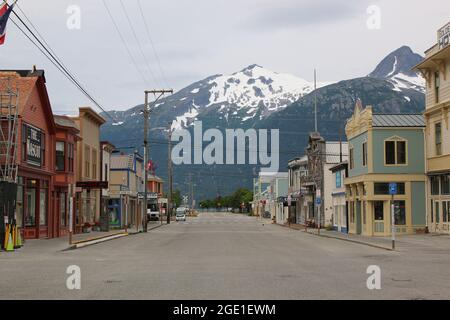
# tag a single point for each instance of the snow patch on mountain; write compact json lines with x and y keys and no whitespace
{"x":256,"y":85}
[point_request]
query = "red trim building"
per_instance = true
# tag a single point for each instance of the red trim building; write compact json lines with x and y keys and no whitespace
{"x":36,"y":134}
{"x":67,"y":136}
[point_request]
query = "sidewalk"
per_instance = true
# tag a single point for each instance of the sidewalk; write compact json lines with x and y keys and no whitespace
{"x":402,"y":243}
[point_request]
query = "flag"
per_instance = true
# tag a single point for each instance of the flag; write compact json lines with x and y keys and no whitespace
{"x":5,"y":11}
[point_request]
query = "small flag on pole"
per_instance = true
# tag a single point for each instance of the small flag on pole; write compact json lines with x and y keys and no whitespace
{"x":5,"y":11}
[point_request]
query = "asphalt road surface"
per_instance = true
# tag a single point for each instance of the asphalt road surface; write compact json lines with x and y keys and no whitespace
{"x":223,"y":256}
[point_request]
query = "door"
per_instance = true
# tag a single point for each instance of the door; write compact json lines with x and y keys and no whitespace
{"x":378,"y":216}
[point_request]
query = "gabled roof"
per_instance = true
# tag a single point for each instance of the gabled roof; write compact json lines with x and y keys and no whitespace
{"x":25,"y":81}
{"x":397,"y":120}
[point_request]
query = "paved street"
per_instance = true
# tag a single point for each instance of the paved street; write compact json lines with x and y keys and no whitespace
{"x":225,"y":256}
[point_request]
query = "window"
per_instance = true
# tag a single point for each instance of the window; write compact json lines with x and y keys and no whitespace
{"x":364,"y":155}
{"x":395,"y":152}
{"x":60,"y":155}
{"x":19,"y":203}
{"x":87,"y":161}
{"x":437,"y":84}
{"x":106,"y":172}
{"x":338,"y":179}
{"x":70,"y":156}
{"x":446,"y":210}
{"x":437,"y":208}
{"x":400,"y":213}
{"x":434,"y":181}
{"x":30,"y":212}
{"x":352,"y":159}
{"x":378,"y":210}
{"x":94,"y":164}
{"x":43,"y":207}
{"x":390,"y":152}
{"x":382,"y":188}
{"x":445,"y":184}
{"x":438,"y":138}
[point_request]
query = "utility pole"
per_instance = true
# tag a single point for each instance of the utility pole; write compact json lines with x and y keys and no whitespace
{"x":169,"y":170}
{"x":146,"y":112}
{"x":315,"y":101}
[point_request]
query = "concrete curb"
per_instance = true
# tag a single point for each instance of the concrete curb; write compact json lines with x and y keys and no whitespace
{"x":350,"y":240}
{"x":90,"y":242}
{"x":339,"y":238}
{"x":93,"y":241}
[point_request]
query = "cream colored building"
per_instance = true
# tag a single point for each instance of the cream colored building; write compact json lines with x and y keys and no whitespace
{"x":88,"y":167}
{"x":436,"y":70}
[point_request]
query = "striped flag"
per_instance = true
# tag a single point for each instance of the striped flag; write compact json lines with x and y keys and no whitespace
{"x":5,"y":11}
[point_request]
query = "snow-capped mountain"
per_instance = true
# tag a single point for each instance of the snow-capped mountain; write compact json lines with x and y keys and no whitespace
{"x":397,"y":69}
{"x":250,"y":94}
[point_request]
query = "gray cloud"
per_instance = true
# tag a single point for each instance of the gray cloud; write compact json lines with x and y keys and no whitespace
{"x":295,"y":14}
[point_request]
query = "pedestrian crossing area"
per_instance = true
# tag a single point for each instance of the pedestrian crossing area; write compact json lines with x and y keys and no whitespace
{"x":218,"y":219}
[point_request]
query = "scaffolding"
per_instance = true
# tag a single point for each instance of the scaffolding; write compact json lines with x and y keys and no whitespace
{"x":9,"y":107}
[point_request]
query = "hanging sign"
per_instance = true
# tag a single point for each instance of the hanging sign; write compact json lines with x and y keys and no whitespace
{"x":444,"y":36}
{"x":33,"y":138}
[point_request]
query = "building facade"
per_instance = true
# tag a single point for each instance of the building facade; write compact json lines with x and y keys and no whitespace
{"x":67,"y":137}
{"x":322,"y":155}
{"x":339,"y":202}
{"x":35,"y":146}
{"x":87,"y":213}
{"x":385,"y":149}
{"x":125,"y":206}
{"x":105,"y":161}
{"x":300,"y":201}
{"x":436,"y":70}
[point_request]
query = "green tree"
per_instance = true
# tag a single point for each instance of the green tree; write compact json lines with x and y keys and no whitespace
{"x":176,"y":198}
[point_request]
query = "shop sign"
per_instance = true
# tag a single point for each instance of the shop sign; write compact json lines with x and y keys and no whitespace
{"x":34,"y":145}
{"x":92,"y":184}
{"x":444,"y":36}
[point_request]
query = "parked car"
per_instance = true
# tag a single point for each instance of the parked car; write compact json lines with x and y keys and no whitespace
{"x":180,"y":216}
{"x":152,"y":212}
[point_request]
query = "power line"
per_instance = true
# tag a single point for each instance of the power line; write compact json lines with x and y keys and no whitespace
{"x":133,"y":60}
{"x":137,"y":40}
{"x":49,"y":55}
{"x":158,"y":61}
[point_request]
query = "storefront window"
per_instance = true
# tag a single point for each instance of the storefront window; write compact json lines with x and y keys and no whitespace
{"x":30,"y":212}
{"x":43,"y":207}
{"x":437,"y":212}
{"x":434,"y":185}
{"x":19,"y":204}
{"x":445,"y":211}
{"x":400,"y":213}
{"x":445,"y":184}
{"x":62,"y":209}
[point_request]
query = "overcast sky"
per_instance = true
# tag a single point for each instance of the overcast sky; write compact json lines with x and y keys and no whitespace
{"x":198,"y":38}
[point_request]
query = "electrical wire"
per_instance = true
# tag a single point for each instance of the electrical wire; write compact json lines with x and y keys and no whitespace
{"x":49,"y":55}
